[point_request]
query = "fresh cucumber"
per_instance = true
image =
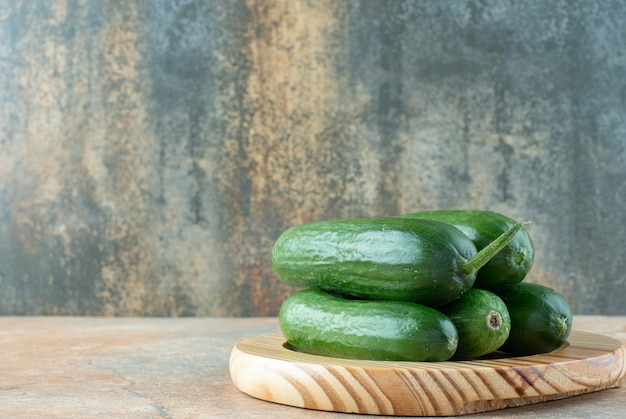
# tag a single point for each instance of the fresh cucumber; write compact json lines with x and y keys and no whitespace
{"x":420,"y":261}
{"x":482,"y":321}
{"x":508,"y":267}
{"x":317,"y":322}
{"x":541,"y":319}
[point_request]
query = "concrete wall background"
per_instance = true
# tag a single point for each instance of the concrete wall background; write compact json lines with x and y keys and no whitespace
{"x":152,"y":151}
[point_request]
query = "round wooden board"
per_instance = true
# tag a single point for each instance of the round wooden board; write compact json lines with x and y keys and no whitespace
{"x":264,"y":368}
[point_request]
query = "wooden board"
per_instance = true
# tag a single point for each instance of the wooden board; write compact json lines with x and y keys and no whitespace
{"x":264,"y":368}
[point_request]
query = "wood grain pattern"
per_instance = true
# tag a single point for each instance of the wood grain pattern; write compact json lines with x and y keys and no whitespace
{"x":263,"y":368}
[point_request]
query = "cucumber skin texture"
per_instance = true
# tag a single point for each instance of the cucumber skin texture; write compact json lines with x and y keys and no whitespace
{"x":470,"y":315}
{"x":541,"y":319}
{"x":387,"y":258}
{"x":507,"y":268}
{"x":316,"y":322}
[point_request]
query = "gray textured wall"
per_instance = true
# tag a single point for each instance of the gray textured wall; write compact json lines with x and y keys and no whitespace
{"x":152,"y":151}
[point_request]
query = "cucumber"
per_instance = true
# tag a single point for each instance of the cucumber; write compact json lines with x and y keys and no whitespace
{"x":541,"y":319}
{"x":401,"y":259}
{"x":482,"y":321}
{"x":508,"y":267}
{"x":317,"y":322}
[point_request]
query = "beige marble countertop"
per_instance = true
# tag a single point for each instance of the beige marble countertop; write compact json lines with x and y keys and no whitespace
{"x":81,"y":367}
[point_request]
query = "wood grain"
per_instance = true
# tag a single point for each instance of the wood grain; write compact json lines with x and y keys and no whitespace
{"x":263,"y":368}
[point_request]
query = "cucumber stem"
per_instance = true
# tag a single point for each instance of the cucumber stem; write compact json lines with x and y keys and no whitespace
{"x":494,"y":320}
{"x":488,"y":252}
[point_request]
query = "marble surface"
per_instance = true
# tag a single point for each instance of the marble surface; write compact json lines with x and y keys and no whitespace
{"x":82,"y":367}
{"x":151,"y":151}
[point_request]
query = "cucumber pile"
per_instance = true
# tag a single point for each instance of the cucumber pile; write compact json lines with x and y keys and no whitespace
{"x":428,"y":286}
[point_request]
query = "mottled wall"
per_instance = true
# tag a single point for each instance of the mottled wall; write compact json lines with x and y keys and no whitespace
{"x":152,"y":151}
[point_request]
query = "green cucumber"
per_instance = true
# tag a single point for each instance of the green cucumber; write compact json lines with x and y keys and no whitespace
{"x":508,"y":267}
{"x":420,"y":261}
{"x":317,"y":322}
{"x":541,"y":319}
{"x":482,"y":321}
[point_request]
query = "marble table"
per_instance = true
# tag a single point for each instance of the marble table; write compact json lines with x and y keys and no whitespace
{"x":82,"y":367}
